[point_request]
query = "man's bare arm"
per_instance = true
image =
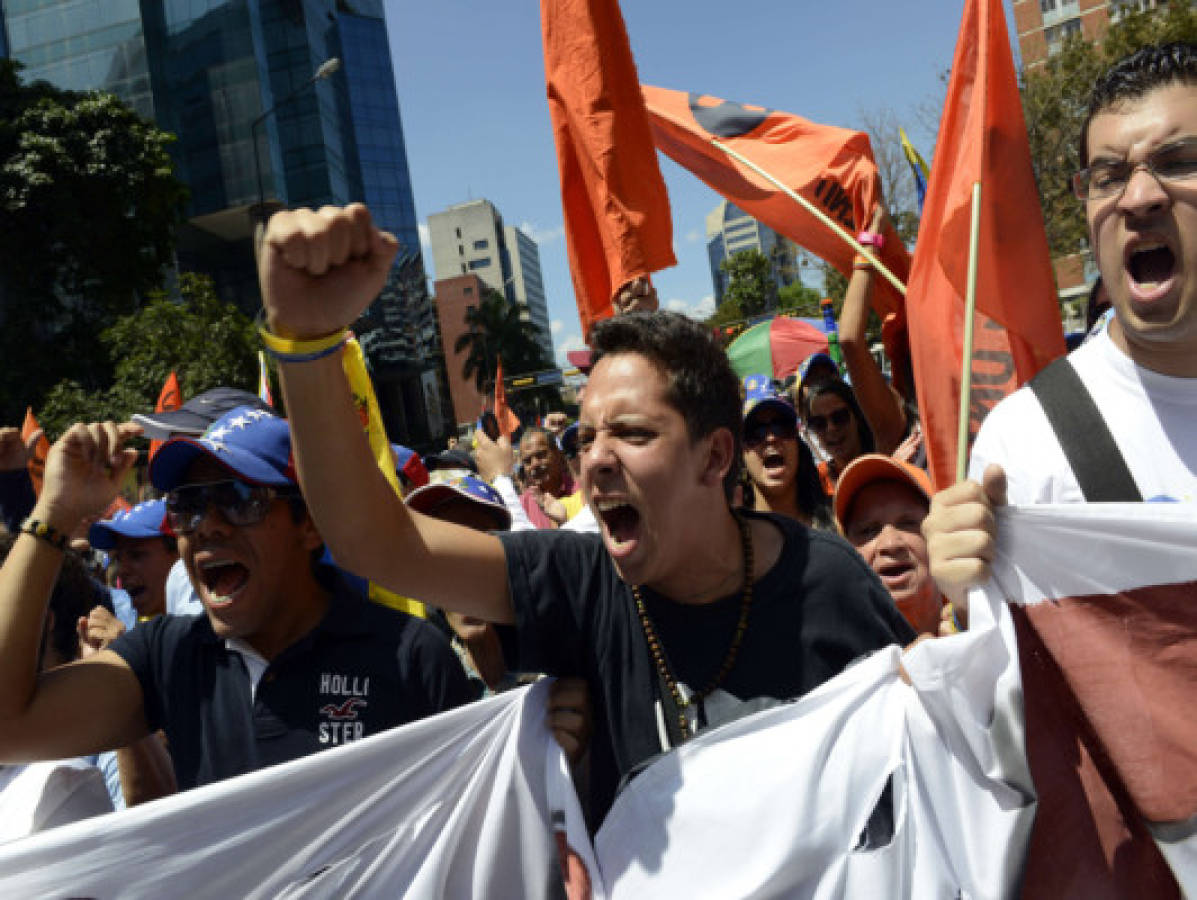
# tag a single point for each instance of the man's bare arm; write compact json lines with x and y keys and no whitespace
{"x":319,"y":272}
{"x":85,"y":706}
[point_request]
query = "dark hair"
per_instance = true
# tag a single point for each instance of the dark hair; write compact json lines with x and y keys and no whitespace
{"x":74,"y":594}
{"x":844,"y":391}
{"x":700,"y":383}
{"x":1133,"y":76}
{"x":811,"y":498}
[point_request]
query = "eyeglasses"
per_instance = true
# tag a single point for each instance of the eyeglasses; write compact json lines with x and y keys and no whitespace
{"x":1108,"y":178}
{"x":839,"y":419}
{"x":239,"y":503}
{"x":758,"y":431}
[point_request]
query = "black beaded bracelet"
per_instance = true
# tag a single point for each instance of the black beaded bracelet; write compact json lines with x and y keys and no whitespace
{"x":44,"y":532}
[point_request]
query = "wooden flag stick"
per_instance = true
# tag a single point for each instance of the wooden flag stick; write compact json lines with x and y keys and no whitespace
{"x":970,"y":309}
{"x":817,"y":213}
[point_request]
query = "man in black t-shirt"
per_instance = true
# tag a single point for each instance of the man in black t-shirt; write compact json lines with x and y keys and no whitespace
{"x":286,"y":661}
{"x":680,"y":614}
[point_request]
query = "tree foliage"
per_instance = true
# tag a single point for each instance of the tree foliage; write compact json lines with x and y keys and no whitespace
{"x":205,"y":341}
{"x":88,"y":209}
{"x":1055,"y":98}
{"x":800,"y":299}
{"x":750,"y":282}
{"x":726,"y":313}
{"x":494,"y":330}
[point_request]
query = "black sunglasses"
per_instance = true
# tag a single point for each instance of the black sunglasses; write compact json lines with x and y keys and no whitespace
{"x":757,"y":432}
{"x":239,"y":503}
{"x":839,"y":419}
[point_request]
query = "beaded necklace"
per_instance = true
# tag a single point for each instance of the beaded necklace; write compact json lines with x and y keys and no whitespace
{"x":657,"y":649}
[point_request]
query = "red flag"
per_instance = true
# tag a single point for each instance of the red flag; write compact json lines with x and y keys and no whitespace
{"x":831,"y":167}
{"x":37,"y":460}
{"x":170,"y":397}
{"x":508,"y":421}
{"x":982,"y":137}
{"x":617,"y":221}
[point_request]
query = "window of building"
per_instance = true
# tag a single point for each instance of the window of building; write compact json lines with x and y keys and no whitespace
{"x":1055,"y":35}
{"x":481,"y":245}
{"x":480,"y":263}
{"x":467,"y":291}
{"x":458,"y":230}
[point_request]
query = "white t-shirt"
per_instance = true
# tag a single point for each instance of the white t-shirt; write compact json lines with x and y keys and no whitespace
{"x":43,"y":795}
{"x":181,"y":598}
{"x":1152,"y":417}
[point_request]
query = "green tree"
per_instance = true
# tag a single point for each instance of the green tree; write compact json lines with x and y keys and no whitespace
{"x":496,"y":330}
{"x":750,"y":282}
{"x":1055,"y":98}
{"x":88,"y":209}
{"x":206,"y":341}
{"x":799,"y":298}
{"x":726,"y":313}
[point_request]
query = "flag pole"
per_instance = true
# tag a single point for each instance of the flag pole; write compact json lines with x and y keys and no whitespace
{"x":970,"y":308}
{"x":817,"y":213}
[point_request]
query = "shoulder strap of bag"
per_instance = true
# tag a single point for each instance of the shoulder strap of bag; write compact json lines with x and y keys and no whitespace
{"x":1096,"y":461}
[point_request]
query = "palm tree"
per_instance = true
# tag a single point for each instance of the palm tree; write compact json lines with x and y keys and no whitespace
{"x":496,"y":330}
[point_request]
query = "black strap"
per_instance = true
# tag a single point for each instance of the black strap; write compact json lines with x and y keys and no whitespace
{"x":1096,"y":461}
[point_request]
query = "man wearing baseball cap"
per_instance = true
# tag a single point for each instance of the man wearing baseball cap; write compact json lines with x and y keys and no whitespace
{"x":880,"y":504}
{"x":287,"y":660}
{"x":140,"y":542}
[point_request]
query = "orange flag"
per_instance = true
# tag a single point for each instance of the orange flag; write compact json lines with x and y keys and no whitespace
{"x":617,"y":220}
{"x":1017,"y":330}
{"x":831,"y":167}
{"x":509,"y":422}
{"x":170,"y":397}
{"x":37,"y":460}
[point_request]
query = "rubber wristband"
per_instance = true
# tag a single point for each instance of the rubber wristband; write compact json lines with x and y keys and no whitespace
{"x":44,"y":532}
{"x":870,"y":239}
{"x":306,"y":357}
{"x":289,"y":351}
{"x":277,"y":344}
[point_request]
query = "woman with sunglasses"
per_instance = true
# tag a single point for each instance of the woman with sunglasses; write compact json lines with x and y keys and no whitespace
{"x":779,"y":465}
{"x":834,"y":417}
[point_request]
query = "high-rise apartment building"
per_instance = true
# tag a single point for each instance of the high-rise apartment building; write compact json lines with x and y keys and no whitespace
{"x":233,"y":79}
{"x":730,"y":230}
{"x":1044,"y":25}
{"x":471,"y":239}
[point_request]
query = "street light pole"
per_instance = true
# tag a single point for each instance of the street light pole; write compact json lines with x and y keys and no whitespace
{"x":327,"y":68}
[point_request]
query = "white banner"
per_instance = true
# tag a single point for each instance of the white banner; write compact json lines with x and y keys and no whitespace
{"x":777,"y":804}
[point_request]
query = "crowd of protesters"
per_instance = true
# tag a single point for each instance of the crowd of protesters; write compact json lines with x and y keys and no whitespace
{"x":694,"y":548}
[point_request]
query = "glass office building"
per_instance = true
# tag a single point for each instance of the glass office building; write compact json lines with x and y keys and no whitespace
{"x":233,"y":80}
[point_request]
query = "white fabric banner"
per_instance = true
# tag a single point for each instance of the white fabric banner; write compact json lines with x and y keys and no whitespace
{"x":465,"y":804}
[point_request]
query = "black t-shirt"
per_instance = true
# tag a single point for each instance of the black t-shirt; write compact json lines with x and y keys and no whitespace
{"x":819,"y":608}
{"x":362,"y":670}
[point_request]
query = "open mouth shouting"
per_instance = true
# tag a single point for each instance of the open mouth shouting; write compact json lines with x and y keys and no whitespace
{"x":620,"y":523}
{"x":1151,"y":267}
{"x":897,"y":575}
{"x":221,"y":580}
{"x":773,"y":462}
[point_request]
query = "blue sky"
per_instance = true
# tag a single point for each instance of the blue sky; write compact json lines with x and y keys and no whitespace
{"x":470,"y":77}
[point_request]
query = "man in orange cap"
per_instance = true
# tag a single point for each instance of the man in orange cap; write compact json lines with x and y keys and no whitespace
{"x":880,"y":504}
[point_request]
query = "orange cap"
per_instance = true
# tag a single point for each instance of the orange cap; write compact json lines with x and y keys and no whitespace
{"x":864,"y":470}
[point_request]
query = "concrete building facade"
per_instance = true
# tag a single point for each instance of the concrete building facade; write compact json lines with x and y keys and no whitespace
{"x":730,"y":230}
{"x":454,"y":296}
{"x":471,"y":239}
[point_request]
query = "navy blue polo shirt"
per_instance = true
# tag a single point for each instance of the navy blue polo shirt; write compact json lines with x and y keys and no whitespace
{"x":362,"y":670}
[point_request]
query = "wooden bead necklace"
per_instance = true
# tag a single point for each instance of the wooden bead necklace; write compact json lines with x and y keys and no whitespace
{"x":657,"y":649}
